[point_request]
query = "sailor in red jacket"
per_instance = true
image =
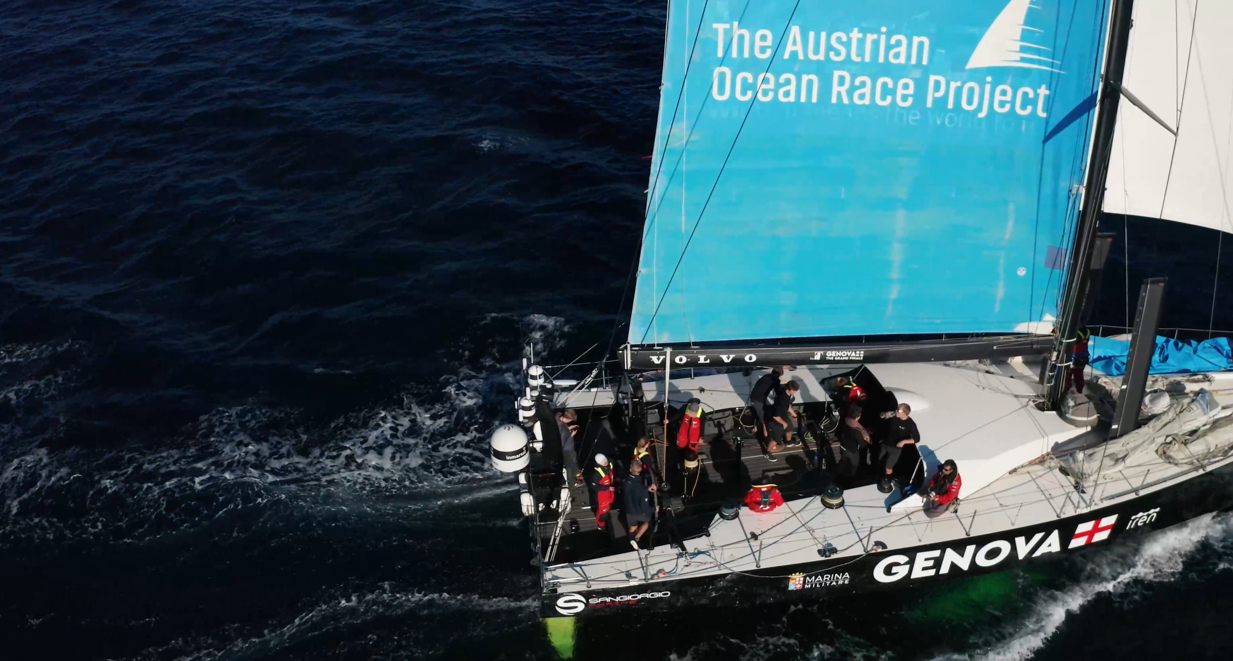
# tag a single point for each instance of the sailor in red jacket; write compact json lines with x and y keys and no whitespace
{"x":1080,"y":358}
{"x":690,"y":432}
{"x":601,"y":484}
{"x":847,"y":390}
{"x":944,"y":487}
{"x":763,"y":498}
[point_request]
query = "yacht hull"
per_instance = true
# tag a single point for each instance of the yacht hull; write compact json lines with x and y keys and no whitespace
{"x":1198,"y":494}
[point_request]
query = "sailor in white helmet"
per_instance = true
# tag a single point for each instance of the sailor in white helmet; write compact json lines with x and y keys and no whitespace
{"x":600,"y":480}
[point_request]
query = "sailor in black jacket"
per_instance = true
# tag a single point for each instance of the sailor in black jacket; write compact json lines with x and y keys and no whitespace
{"x":852,"y":438}
{"x":766,"y":384}
{"x":639,"y":508}
{"x":900,"y":433}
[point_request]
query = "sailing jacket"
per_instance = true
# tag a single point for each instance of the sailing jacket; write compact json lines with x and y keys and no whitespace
{"x":690,"y":431}
{"x":638,"y":497}
{"x":901,"y":430}
{"x":851,"y":438}
{"x":782,"y":406}
{"x":1081,"y":339}
{"x":763,"y":498}
{"x":951,"y":492}
{"x":645,"y":458}
{"x":761,"y":389}
{"x":601,"y":479}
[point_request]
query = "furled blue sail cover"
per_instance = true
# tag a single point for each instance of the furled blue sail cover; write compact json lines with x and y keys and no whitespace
{"x":904,"y":167}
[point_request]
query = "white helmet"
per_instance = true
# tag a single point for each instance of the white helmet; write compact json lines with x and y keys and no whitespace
{"x":601,"y":460}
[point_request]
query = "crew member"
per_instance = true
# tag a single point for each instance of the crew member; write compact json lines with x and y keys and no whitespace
{"x":567,"y":422}
{"x":847,"y":390}
{"x":689,"y":434}
{"x":643,"y":456}
{"x":1080,"y":358}
{"x":763,"y":498}
{"x":944,"y":487}
{"x":601,"y":484}
{"x":852,"y":439}
{"x":638,"y":506}
{"x":757,"y":399}
{"x":900,"y":433}
{"x":783,"y":418}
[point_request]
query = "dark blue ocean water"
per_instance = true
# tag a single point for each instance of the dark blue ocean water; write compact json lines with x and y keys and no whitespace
{"x":266,"y":268}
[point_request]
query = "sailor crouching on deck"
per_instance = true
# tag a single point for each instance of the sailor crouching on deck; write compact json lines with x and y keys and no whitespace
{"x":638,"y":506}
{"x":601,"y":483}
{"x":944,"y":488}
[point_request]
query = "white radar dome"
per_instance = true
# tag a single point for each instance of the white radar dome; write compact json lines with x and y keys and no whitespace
{"x":526,"y":409}
{"x":509,"y":449}
{"x":535,"y":376}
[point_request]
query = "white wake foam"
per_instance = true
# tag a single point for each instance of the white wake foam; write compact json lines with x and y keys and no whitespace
{"x":1118,"y":571}
{"x":468,"y":615}
{"x":247,"y":456}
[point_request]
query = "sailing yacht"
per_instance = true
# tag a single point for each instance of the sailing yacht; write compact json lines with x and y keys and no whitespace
{"x":907,"y":201}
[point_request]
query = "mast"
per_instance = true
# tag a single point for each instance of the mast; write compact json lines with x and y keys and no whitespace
{"x":1078,"y":278}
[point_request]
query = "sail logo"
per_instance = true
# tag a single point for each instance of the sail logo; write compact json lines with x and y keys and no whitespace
{"x":1003,"y":44}
{"x":859,"y":65}
{"x":803,"y":582}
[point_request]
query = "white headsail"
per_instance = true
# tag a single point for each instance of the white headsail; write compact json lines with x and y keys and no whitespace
{"x":1181,"y":67}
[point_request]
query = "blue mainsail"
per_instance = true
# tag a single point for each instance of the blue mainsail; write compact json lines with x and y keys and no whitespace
{"x":830,"y":168}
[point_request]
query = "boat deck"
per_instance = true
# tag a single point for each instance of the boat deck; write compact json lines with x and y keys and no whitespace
{"x":980,"y":415}
{"x":721,"y":468}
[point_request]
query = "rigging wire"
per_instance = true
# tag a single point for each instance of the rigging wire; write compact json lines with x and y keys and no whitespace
{"x":1181,"y":102}
{"x":1211,"y":320}
{"x":1077,"y":278}
{"x":1067,"y":227}
{"x":752,"y":102}
{"x":633,"y":267}
{"x":688,"y":136}
{"x":651,"y":192}
{"x":677,"y":104}
{"x":572,"y":363}
{"x":1126,"y":194}
{"x":1126,"y":265}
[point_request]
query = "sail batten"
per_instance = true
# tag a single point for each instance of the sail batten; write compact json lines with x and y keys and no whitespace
{"x":861,"y":169}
